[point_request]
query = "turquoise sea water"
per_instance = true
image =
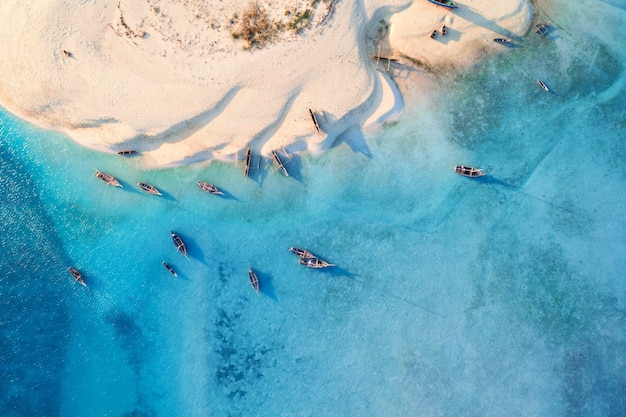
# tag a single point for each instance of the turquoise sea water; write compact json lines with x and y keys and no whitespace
{"x":451,"y":297}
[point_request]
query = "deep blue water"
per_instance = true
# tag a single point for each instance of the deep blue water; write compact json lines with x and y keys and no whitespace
{"x":501,"y":296}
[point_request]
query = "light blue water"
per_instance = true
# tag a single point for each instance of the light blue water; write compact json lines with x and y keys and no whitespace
{"x":451,"y":297}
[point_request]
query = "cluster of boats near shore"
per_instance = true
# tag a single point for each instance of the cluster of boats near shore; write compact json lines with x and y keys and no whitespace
{"x":151,"y":189}
{"x":541,"y":28}
{"x":305,"y":257}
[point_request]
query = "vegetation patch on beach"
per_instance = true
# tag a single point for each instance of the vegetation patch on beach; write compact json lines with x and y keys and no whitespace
{"x":257,"y":27}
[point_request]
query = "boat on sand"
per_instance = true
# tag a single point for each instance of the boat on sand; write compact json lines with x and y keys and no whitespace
{"x":448,"y":4}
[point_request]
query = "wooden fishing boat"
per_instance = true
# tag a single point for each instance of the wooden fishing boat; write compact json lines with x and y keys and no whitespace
{"x":468,"y":171}
{"x":169,"y":268}
{"x":254,"y":280}
{"x":127,"y":152}
{"x":207,"y":187}
{"x":448,"y":4}
{"x":280,"y":163}
{"x":302,"y":253}
{"x":108,"y":179}
{"x":314,"y":262}
{"x":543,"y":85}
{"x":248,"y":161}
{"x":315,"y":123}
{"x":178,"y":242}
{"x":541,"y":28}
{"x":501,"y":40}
{"x":78,"y":277}
{"x":150,"y":189}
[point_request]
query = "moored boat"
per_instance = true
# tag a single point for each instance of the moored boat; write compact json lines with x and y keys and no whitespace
{"x":169,"y":268}
{"x":151,"y":189}
{"x":541,"y":28}
{"x":108,"y":179}
{"x":280,"y":163}
{"x":314,"y":262}
{"x":78,"y":277}
{"x":542,"y":85}
{"x":448,"y":4}
{"x":254,"y":280}
{"x":468,"y":171}
{"x":178,"y":242}
{"x":209,"y":188}
{"x":248,"y":162}
{"x":302,"y":253}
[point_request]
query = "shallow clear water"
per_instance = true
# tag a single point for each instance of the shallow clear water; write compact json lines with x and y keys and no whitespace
{"x":502,"y":296}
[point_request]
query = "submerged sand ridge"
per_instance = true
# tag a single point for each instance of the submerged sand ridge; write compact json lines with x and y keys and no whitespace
{"x":178,"y":82}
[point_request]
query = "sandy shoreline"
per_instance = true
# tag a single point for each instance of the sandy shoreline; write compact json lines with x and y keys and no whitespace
{"x":168,"y":79}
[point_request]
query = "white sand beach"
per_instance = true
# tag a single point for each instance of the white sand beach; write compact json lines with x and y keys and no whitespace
{"x":168,"y":79}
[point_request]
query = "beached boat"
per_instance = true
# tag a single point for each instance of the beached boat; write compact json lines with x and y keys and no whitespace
{"x":151,"y":189}
{"x":169,"y":268}
{"x":448,"y":4}
{"x":127,"y":152}
{"x":302,"y":253}
{"x":254,"y":280}
{"x":280,"y":163}
{"x":314,"y":262}
{"x":468,"y":171}
{"x":501,"y":40}
{"x":207,"y":187}
{"x":178,"y":242}
{"x":78,"y":277}
{"x":108,"y":179}
{"x":248,"y":162}
{"x":543,"y":85}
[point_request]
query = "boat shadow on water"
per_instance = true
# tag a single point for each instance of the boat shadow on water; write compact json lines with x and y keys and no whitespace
{"x":194,"y":251}
{"x":266,"y":285}
{"x":488,"y":179}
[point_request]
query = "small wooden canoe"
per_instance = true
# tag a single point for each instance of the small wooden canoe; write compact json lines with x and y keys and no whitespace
{"x":108,"y":179}
{"x":248,"y":162}
{"x":280,"y":163}
{"x":468,"y":171}
{"x":254,"y":280}
{"x":78,"y":277}
{"x":314,"y":262}
{"x":149,"y":188}
{"x":543,"y":85}
{"x":302,"y":253}
{"x":448,"y":4}
{"x":178,"y":242}
{"x":207,"y":187}
{"x":169,"y":268}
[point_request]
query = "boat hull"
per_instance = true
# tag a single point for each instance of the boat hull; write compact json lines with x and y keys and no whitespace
{"x":468,"y":171}
{"x":447,"y":5}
